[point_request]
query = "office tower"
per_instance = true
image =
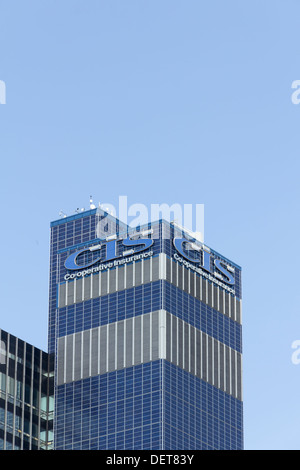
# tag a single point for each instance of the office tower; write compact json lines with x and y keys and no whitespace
{"x":26,"y":395}
{"x":145,"y":325}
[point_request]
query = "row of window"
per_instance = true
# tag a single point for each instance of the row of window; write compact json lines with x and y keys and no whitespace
{"x":188,"y":410}
{"x":145,"y":299}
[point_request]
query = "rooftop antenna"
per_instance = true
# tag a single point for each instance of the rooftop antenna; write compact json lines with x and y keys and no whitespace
{"x":92,"y":205}
{"x":62,"y":214}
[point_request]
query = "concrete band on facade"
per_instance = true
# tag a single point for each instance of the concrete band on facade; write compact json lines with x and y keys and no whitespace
{"x":145,"y":338}
{"x":159,"y":267}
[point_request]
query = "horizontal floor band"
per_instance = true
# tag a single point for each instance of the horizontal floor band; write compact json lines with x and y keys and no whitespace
{"x":143,"y":272}
{"x":145,"y":338}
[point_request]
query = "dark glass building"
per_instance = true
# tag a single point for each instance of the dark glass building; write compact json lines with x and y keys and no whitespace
{"x":145,"y":327}
{"x":26,"y":395}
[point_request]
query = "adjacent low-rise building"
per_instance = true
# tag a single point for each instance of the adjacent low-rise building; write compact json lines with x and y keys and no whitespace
{"x":26,"y":395}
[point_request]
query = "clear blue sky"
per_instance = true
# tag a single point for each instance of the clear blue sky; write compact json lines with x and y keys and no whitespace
{"x":162,"y":101}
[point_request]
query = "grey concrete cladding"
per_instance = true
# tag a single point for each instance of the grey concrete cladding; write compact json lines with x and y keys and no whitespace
{"x":151,"y":336}
{"x":138,"y":340}
{"x":143,"y":272}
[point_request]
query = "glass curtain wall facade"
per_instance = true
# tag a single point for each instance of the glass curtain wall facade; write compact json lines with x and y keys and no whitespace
{"x":26,"y":395}
{"x":148,"y":347}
